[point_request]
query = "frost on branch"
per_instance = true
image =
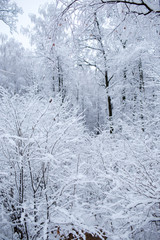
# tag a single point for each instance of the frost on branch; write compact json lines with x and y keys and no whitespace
{"x":8,"y":13}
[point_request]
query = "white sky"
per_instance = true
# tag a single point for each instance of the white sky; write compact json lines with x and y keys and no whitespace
{"x":28,"y":6}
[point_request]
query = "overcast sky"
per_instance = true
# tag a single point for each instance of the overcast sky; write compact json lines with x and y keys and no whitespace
{"x":28,"y":6}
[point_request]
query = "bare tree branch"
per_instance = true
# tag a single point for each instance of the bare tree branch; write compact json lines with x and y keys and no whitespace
{"x":140,"y":4}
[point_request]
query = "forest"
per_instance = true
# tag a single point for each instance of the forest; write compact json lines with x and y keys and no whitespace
{"x":80,"y":122}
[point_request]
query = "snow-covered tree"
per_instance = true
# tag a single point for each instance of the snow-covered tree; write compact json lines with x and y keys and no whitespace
{"x":57,"y":179}
{"x":41,"y":142}
{"x":8,"y":13}
{"x":17,"y":65}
